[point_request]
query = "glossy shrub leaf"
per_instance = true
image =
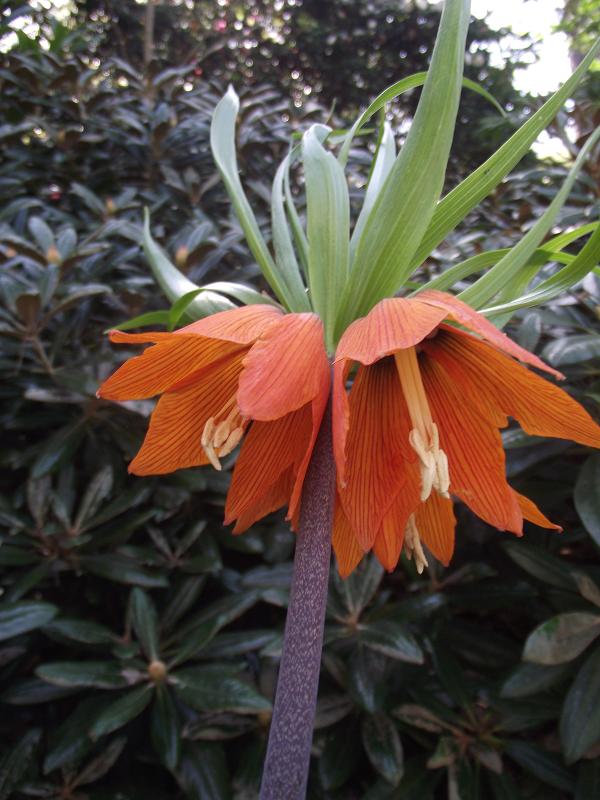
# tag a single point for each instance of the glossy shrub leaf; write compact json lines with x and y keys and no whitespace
{"x":165,"y":727}
{"x":562,"y":638}
{"x":383,"y":746}
{"x":145,"y":622}
{"x":339,"y":758}
{"x":99,"y":674}
{"x":580,"y":720}
{"x":391,"y":639}
{"x":404,"y":207}
{"x":546,"y":766}
{"x":69,"y":742}
{"x":587,"y":496}
{"x":102,"y":763}
{"x":541,"y":565}
{"x":120,"y":712}
{"x":202,"y":772}
{"x":18,"y":618}
{"x":80,"y":630}
{"x":529,"y":679}
{"x":588,"y":780}
{"x":211,"y":689}
{"x":15,"y":762}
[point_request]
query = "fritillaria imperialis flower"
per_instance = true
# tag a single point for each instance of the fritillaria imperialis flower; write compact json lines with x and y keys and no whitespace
{"x":252,"y":373}
{"x":420,"y":426}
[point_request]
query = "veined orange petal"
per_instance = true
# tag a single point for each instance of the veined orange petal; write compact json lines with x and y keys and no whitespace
{"x":176,"y":425}
{"x":347,"y":550}
{"x":160,"y":368}
{"x":340,"y":417}
{"x":275,"y":497}
{"x":474,"y":448}
{"x":393,"y":324}
{"x":377,"y":449}
{"x":269,"y":449}
{"x":436,"y":523}
{"x":388,"y":543}
{"x":532,"y":513}
{"x":467,"y":316}
{"x":317,"y":408}
{"x":285,"y":369}
{"x":240,"y":325}
{"x":540,"y":407}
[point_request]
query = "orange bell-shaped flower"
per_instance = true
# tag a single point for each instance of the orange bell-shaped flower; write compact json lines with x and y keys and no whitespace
{"x":250,"y":370}
{"x":420,"y":425}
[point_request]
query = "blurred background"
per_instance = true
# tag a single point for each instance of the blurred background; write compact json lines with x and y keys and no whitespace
{"x":138,"y":638}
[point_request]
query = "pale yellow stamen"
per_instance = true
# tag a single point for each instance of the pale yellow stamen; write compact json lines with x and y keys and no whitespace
{"x":424,"y":437}
{"x":219,"y":438}
{"x":413,"y":546}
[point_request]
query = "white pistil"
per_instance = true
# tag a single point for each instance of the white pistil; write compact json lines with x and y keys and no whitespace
{"x":413,"y":546}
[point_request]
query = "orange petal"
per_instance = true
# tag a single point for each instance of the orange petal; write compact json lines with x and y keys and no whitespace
{"x":436,"y":522}
{"x":285,"y":369}
{"x":474,"y":449}
{"x":393,"y":324}
{"x":347,"y":550}
{"x":240,"y":325}
{"x":176,"y":425}
{"x":269,"y":449}
{"x":467,"y":316}
{"x":532,"y":513}
{"x":161,"y":367}
{"x":317,"y":407}
{"x":276,"y":497}
{"x":388,"y":544}
{"x":340,"y":417}
{"x":508,"y":388}
{"x":377,"y":449}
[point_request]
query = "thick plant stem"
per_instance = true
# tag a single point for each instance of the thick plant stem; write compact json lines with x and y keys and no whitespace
{"x":290,"y":737}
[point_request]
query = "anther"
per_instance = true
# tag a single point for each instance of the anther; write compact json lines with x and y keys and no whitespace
{"x":413,"y":546}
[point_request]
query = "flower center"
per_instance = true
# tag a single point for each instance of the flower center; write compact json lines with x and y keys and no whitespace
{"x":223,"y":432}
{"x":424,"y":436}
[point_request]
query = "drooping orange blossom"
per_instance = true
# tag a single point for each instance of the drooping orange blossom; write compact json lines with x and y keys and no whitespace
{"x":420,"y":425}
{"x":249,"y":368}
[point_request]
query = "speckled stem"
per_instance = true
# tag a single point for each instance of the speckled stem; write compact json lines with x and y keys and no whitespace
{"x":290,"y":737}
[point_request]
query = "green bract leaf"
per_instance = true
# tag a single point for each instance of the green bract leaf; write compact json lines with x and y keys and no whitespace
{"x":455,"y":206}
{"x":505,"y":275}
{"x":403,"y":209}
{"x":285,"y":255}
{"x":175,"y":285}
{"x":328,"y":228}
{"x":286,"y":285}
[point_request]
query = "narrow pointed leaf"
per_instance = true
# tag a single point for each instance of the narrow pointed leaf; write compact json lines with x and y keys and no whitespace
{"x":222,"y":142}
{"x":404,"y":207}
{"x":174,"y":283}
{"x":504,"y":276}
{"x":455,"y":206}
{"x":328,"y":228}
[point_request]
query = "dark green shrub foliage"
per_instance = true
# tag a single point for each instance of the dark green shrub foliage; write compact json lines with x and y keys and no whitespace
{"x":138,"y":638}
